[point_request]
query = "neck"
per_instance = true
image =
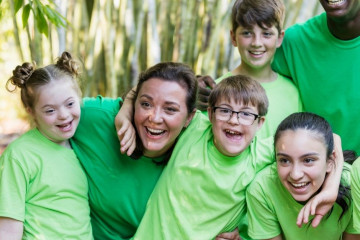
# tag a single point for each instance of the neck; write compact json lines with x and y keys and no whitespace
{"x":345,"y":30}
{"x":263,"y":75}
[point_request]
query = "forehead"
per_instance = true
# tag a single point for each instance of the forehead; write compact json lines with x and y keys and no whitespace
{"x":255,"y":26}
{"x":161,"y":88}
{"x":301,"y":139}
{"x":235,"y":104}
{"x":56,"y":92}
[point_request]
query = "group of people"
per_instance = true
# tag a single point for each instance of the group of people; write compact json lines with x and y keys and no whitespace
{"x":257,"y":161}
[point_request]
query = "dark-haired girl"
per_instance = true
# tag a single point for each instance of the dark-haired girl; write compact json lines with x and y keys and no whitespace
{"x":43,"y":189}
{"x":304,"y":150}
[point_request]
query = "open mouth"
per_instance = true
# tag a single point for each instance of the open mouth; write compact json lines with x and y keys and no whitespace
{"x":335,"y":2}
{"x":299,"y":186}
{"x":233,"y":134}
{"x":155,"y":132}
{"x":65,"y":127}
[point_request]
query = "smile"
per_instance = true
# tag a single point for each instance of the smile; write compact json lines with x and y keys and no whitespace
{"x":256,"y":52}
{"x":65,"y":127}
{"x":156,"y":132}
{"x":299,"y":185}
{"x":335,"y":2}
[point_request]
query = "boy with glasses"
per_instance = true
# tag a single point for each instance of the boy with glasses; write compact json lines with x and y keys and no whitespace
{"x":201,"y":192}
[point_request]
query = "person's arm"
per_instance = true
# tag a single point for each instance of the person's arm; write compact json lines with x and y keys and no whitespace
{"x":124,"y":127}
{"x":320,"y":204}
{"x":205,"y":85}
{"x":348,"y":236}
{"x":234,"y":235}
{"x":10,"y":229}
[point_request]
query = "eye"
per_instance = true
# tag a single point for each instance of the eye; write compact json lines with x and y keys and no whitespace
{"x":145,"y":105}
{"x":246,"y":33}
{"x":268,"y":34}
{"x":49,"y":111}
{"x":224,"y":111}
{"x":309,"y":160}
{"x":70,"y":104}
{"x":171,"y":109}
{"x":283,"y":161}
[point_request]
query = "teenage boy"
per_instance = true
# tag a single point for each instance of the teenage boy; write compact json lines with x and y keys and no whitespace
{"x":201,"y":192}
{"x":257,"y":33}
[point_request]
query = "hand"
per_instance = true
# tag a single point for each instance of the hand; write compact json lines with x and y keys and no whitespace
{"x":126,"y":134}
{"x":234,"y":235}
{"x":205,"y":84}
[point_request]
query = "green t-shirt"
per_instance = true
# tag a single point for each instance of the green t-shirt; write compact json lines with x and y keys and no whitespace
{"x":201,"y":192}
{"x":119,"y":186}
{"x":43,"y":185}
{"x":284,"y":99}
{"x":326,"y":72}
{"x":355,"y":192}
{"x":273,"y":211}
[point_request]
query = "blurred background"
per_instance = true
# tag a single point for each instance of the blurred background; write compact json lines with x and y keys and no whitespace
{"x":115,"y":40}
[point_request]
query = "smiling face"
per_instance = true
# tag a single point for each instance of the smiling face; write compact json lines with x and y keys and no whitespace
{"x":341,"y":10}
{"x":231,"y":137}
{"x":160,"y":115}
{"x":57,"y":111}
{"x":301,"y":162}
{"x":256,"y":46}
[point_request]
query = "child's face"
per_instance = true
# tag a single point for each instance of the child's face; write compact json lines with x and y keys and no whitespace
{"x":160,"y":115}
{"x":57,"y":111}
{"x":232,"y":137}
{"x":256,"y":46}
{"x":301,"y":162}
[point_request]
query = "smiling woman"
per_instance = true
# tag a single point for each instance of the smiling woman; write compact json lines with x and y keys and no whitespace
{"x":305,"y":153}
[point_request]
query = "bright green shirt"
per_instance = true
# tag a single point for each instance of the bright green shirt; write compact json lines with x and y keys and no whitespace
{"x":273,"y":211}
{"x":119,"y":186}
{"x":43,"y":185}
{"x":201,"y":192}
{"x":325,"y":70}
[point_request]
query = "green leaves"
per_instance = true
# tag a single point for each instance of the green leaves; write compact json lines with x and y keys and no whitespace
{"x":43,"y":14}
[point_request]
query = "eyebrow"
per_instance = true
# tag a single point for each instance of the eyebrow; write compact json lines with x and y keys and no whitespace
{"x":304,"y":155}
{"x":166,"y":102}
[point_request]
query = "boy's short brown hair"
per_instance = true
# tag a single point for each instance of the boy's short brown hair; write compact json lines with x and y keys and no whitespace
{"x":242,"y":89}
{"x":264,"y":13}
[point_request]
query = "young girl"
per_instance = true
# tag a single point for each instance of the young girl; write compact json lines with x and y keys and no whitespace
{"x":43,"y":189}
{"x":304,"y":148}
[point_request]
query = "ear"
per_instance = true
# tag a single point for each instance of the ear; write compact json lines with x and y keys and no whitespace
{"x":260,"y":123}
{"x":29,"y":111}
{"x":210,"y":114}
{"x":233,"y":38}
{"x":190,"y":117}
{"x":280,"y":38}
{"x":330,"y":163}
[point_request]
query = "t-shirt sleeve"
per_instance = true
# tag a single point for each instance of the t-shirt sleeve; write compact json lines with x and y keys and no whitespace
{"x":355,"y":192}
{"x":263,"y":223}
{"x":13,"y":185}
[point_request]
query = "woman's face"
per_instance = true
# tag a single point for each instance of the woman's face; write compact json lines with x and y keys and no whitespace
{"x":301,"y":162}
{"x":160,"y":115}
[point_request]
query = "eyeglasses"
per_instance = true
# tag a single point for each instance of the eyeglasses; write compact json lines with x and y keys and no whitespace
{"x":225,"y":114}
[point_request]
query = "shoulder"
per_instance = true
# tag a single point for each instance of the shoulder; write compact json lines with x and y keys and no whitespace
{"x":264,"y":180}
{"x":101,"y":103}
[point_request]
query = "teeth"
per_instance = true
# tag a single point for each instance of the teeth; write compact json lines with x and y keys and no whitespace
{"x":335,"y":2}
{"x":299,"y":184}
{"x":155,"y":131}
{"x":232,"y":132}
{"x":256,"y":53}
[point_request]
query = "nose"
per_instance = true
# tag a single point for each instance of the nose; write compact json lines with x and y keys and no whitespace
{"x":256,"y":40}
{"x":156,"y":116}
{"x":234,"y":119}
{"x":63,"y":113}
{"x":296,"y":172}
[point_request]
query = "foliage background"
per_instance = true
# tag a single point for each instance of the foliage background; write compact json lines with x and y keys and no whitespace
{"x":117,"y":39}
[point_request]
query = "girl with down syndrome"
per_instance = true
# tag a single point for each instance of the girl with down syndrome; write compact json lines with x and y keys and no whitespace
{"x":43,"y":189}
